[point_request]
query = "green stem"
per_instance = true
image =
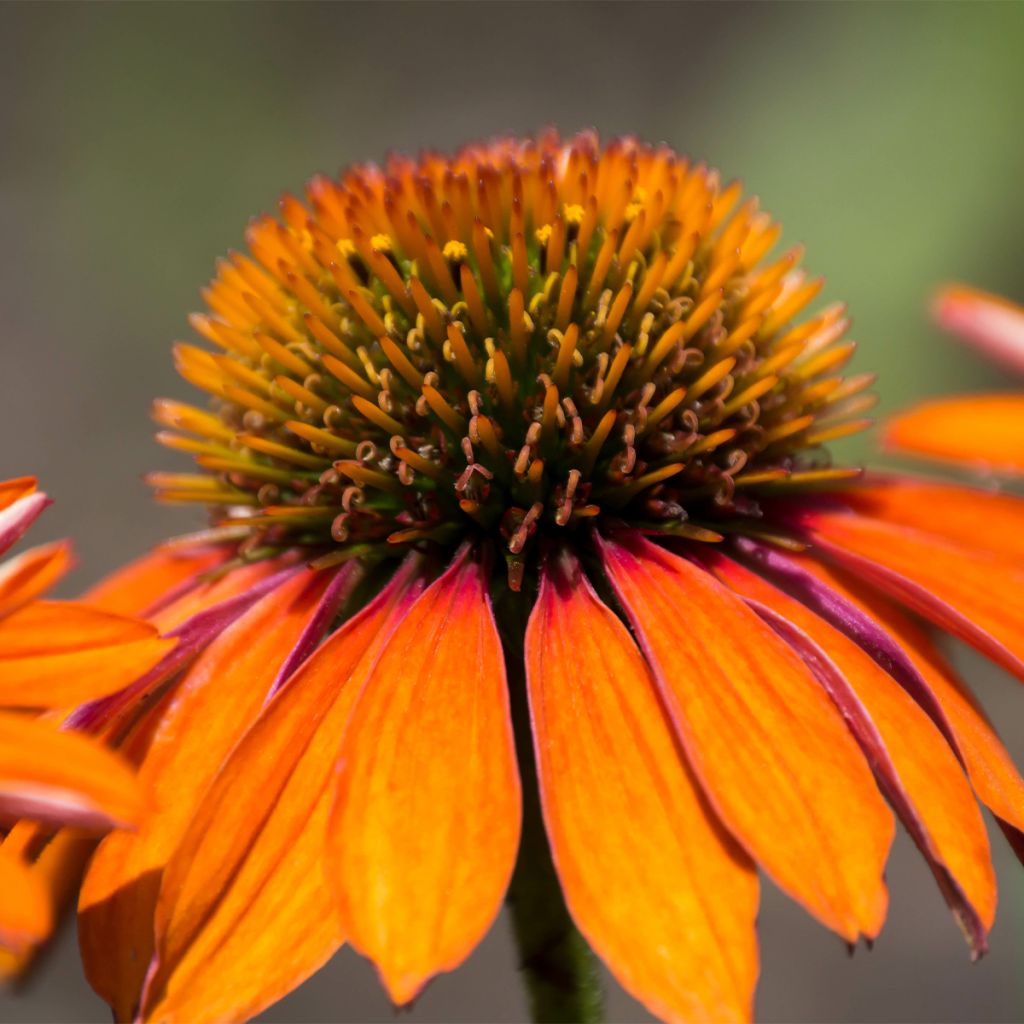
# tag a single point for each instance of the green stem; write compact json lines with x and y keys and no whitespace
{"x":558,"y":967}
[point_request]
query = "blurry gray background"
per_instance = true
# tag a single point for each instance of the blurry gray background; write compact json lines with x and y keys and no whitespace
{"x":136,"y":140}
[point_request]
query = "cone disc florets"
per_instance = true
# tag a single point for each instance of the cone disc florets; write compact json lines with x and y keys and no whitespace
{"x":513,"y":342}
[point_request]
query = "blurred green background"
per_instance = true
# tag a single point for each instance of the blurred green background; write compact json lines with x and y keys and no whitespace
{"x":136,"y":140}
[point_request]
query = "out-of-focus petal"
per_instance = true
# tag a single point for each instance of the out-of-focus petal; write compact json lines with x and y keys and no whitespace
{"x":61,"y":653}
{"x":137,"y":587}
{"x":424,"y":833}
{"x":914,"y":764}
{"x":32,"y":573}
{"x":990,"y":768}
{"x":659,"y":889}
{"x":20,"y":505}
{"x":211,"y":708}
{"x":985,"y":431}
{"x":972,"y":594}
{"x":63,"y":777}
{"x":245,"y":913}
{"x":25,"y":913}
{"x":772,"y":752}
{"x":992,"y":323}
{"x":15,"y":489}
{"x":55,"y":861}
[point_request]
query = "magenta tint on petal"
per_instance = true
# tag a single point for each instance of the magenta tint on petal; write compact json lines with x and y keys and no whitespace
{"x":52,"y":805}
{"x":338,"y":591}
{"x":851,"y":621}
{"x":866,"y":733}
{"x":19,"y":516}
{"x":1014,"y":837}
{"x":193,"y":635}
{"x":993,"y":325}
{"x":922,"y":601}
{"x":168,"y":597}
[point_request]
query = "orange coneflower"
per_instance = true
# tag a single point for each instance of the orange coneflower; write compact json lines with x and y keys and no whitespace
{"x":54,"y":654}
{"x":523,"y":448}
{"x":984,"y":431}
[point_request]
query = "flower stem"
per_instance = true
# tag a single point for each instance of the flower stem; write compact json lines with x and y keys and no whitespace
{"x":556,"y":962}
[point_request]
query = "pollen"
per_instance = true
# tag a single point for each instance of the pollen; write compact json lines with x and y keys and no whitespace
{"x":509,"y":344}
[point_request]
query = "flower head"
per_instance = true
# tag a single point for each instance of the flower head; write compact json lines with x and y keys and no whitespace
{"x":522,"y":447}
{"x":514,"y":345}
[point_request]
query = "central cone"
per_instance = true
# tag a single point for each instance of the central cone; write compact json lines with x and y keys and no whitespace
{"x":509,"y":343}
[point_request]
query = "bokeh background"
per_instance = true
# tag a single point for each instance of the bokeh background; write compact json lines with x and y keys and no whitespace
{"x":136,"y":140}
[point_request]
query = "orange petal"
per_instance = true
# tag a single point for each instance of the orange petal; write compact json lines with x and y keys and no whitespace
{"x":25,"y":913}
{"x":972,"y":594}
{"x":658,"y":888}
{"x":211,"y":708}
{"x":195,"y":619}
{"x":136,"y":587}
{"x":990,"y":768}
{"x":985,"y":431}
{"x":205,"y":594}
{"x":15,"y":489}
{"x":244,"y":914}
{"x":59,"y":653}
{"x":55,"y":862}
{"x":992,"y":323}
{"x":774,"y":756}
{"x":62,"y":777}
{"x":914,"y":764}
{"x":424,"y":834}
{"x":967,"y":515}
{"x":32,"y":573}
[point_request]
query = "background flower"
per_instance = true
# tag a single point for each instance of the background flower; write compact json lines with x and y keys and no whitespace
{"x":54,"y":654}
{"x":879,"y":136}
{"x":982,"y":432}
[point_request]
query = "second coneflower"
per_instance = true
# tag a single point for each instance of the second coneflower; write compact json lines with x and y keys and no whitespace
{"x":983,"y":432}
{"x":52,"y":654}
{"x":515,"y":462}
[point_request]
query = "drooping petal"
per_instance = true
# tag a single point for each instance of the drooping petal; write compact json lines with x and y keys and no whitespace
{"x":659,"y":889}
{"x":914,"y":764}
{"x":244,"y":913}
{"x":972,"y":594}
{"x":61,"y":653}
{"x":32,"y":573}
{"x":20,"y":505}
{"x":220,"y":588}
{"x":63,"y":777}
{"x":335,"y":595}
{"x":195,"y":620}
{"x":979,"y":519}
{"x":772,"y":752}
{"x":209,"y":711}
{"x":990,"y":768}
{"x":424,"y":833}
{"x":984,"y":430}
{"x":153,"y":579}
{"x":992,"y":323}
{"x":25,"y":914}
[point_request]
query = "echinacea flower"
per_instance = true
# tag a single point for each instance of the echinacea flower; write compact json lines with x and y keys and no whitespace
{"x":524,"y":528}
{"x":980,"y":431}
{"x":54,"y":654}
